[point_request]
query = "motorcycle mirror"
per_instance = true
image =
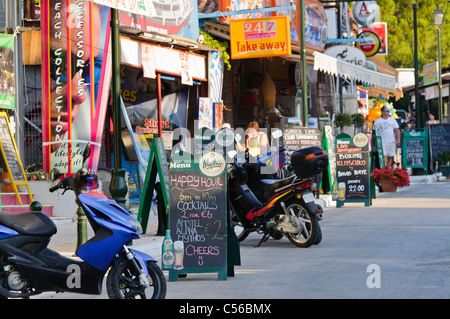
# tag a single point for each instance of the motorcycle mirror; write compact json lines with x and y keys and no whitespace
{"x":277,"y":133}
{"x":231,"y":154}
{"x":87,"y":152}
{"x":55,"y":174}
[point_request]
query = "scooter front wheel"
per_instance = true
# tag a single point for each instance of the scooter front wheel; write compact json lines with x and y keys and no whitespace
{"x":124,"y":283}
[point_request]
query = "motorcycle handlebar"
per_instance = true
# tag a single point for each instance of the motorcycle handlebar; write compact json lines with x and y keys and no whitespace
{"x":54,"y":188}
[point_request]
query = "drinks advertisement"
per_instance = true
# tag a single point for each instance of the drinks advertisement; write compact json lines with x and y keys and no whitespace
{"x":198,"y":215}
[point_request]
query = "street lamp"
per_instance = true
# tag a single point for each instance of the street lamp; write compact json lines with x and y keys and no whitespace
{"x":438,"y":18}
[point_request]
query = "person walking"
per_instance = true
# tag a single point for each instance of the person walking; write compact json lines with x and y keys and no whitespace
{"x":390,"y":135}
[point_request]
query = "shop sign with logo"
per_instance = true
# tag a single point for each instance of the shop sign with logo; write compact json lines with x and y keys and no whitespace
{"x":371,"y":44}
{"x":257,"y":38}
{"x":380,"y":29}
{"x":347,"y":54}
{"x":430,"y":73}
{"x":365,"y":12}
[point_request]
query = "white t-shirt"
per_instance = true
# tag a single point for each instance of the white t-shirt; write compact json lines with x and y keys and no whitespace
{"x":387,"y":127}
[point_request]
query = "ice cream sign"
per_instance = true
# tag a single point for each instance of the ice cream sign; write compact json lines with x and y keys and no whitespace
{"x":257,"y":38}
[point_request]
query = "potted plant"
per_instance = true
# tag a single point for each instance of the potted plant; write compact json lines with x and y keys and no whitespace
{"x":444,"y":159}
{"x":388,"y":178}
{"x":358,"y":120}
{"x":342,"y":120}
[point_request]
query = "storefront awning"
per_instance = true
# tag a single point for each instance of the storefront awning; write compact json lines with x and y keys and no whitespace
{"x":334,"y":66}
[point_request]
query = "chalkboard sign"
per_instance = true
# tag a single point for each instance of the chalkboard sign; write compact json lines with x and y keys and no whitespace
{"x":198,"y":215}
{"x":11,"y":157}
{"x":352,"y":168}
{"x":439,"y":139}
{"x":296,"y":138}
{"x":415,"y":149}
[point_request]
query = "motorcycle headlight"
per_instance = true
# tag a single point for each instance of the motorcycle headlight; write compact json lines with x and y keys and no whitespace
{"x":136,"y":225}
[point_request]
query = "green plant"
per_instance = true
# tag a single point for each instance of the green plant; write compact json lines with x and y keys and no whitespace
{"x":443,"y":157}
{"x":221,"y":46}
{"x":358,"y":120}
{"x":343,"y":119}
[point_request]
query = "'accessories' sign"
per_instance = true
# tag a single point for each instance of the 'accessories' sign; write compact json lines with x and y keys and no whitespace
{"x":257,"y":38}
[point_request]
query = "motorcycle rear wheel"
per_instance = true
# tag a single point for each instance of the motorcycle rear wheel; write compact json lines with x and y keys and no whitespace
{"x":311,"y":228}
{"x":122,"y":282}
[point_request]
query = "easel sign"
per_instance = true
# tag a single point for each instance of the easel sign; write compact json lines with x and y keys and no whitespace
{"x":157,"y":164}
{"x":198,"y":215}
{"x":11,"y":157}
{"x":353,"y":168}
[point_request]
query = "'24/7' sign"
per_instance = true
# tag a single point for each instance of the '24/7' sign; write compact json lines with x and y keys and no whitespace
{"x":257,"y":38}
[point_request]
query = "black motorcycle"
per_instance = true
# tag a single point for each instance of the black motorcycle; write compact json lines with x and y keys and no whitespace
{"x":264,"y":203}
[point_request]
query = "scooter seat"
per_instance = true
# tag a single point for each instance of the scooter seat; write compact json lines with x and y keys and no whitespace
{"x":29,"y":223}
{"x":271,"y":185}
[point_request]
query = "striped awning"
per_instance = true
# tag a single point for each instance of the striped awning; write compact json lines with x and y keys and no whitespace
{"x":334,"y":66}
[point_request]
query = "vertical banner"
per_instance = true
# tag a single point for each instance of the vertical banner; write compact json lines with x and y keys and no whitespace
{"x":7,"y":83}
{"x":76,"y":76}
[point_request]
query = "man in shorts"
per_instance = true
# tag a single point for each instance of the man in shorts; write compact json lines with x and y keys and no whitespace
{"x":390,"y":134}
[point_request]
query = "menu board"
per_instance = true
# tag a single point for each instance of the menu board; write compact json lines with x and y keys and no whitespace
{"x":198,"y":215}
{"x":296,"y":138}
{"x":439,"y":139}
{"x":352,"y":168}
{"x":415,"y":149}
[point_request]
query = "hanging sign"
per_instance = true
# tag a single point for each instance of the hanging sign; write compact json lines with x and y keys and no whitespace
{"x":365,"y":12}
{"x":371,"y":44}
{"x":257,"y":38}
{"x":347,"y":54}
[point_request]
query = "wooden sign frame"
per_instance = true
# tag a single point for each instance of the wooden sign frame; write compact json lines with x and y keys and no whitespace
{"x":9,"y":148}
{"x":157,"y":164}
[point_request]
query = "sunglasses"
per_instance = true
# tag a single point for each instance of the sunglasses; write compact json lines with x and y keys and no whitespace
{"x":59,"y":68}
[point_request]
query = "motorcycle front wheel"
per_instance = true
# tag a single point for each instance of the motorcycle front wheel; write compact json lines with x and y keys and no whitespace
{"x":123,"y":283}
{"x":310,"y":229}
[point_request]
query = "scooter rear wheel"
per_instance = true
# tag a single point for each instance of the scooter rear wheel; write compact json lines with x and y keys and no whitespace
{"x":123,"y":283}
{"x":310,"y":225}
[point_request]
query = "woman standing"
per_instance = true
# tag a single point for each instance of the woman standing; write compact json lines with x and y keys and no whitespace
{"x":257,"y":142}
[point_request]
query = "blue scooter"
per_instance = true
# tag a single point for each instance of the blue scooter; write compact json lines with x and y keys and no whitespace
{"x":28,"y":267}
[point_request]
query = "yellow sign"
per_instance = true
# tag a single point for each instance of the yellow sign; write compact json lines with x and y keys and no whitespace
{"x":257,"y":38}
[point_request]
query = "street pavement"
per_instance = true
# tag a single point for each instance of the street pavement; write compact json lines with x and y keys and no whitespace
{"x":398,"y":248}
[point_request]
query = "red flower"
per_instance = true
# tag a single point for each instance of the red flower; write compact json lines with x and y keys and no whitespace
{"x":398,"y":175}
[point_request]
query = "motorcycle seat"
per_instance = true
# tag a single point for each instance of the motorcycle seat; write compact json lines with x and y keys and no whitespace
{"x":270,"y":185}
{"x":29,"y":223}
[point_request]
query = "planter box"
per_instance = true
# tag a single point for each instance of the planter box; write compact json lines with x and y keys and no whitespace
{"x":388,"y":186}
{"x":445,"y":170}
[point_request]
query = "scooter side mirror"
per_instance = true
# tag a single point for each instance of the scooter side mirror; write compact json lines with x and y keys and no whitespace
{"x":55,"y":174}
